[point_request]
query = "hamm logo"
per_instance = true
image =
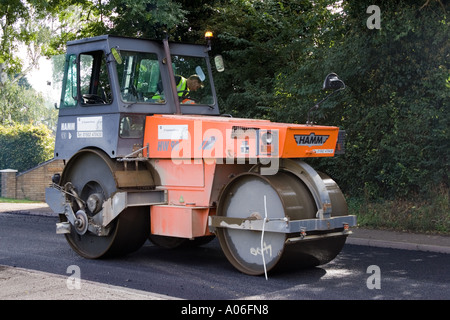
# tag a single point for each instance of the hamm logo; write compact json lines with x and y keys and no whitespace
{"x":310,"y":140}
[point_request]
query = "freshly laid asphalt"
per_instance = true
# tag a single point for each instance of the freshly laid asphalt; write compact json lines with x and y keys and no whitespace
{"x":24,"y":284}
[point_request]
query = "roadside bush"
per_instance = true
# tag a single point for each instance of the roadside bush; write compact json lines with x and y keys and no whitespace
{"x":25,"y":146}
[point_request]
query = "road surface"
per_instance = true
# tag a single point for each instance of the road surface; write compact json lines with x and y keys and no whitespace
{"x":203,"y":273}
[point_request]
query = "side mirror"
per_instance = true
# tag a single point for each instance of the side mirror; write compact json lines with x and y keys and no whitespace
{"x":218,"y":61}
{"x":200,"y":73}
{"x":332,"y":82}
{"x":116,"y":54}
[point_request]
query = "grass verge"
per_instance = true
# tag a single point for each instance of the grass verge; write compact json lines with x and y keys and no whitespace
{"x":9,"y":200}
{"x":412,"y":215}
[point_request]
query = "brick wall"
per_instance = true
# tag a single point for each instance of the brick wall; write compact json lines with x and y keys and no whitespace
{"x":31,"y":184}
{"x":8,"y":183}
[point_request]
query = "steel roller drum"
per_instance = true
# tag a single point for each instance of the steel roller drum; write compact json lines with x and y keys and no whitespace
{"x":251,"y":195}
{"x":91,"y":172}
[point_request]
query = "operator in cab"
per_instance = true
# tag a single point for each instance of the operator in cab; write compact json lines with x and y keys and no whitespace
{"x":184,"y":88}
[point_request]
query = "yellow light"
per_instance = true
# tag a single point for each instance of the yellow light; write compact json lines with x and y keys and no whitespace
{"x":208,"y":34}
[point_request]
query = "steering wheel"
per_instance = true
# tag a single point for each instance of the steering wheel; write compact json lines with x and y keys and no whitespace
{"x":90,"y":98}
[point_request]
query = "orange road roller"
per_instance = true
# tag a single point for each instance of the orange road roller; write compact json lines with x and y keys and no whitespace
{"x":148,"y":156}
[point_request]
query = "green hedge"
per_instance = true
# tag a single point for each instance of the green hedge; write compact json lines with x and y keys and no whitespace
{"x":24,"y":146}
{"x":395,"y":106}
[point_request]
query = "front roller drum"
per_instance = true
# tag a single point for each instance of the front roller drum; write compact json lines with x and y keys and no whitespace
{"x":91,"y":173}
{"x":276,"y":197}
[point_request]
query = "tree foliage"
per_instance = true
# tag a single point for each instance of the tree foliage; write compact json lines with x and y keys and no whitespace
{"x":145,"y":18}
{"x":27,"y":28}
{"x":26,"y":24}
{"x":394,"y":109}
{"x":21,"y":104}
{"x":277,"y":54}
{"x":26,"y":139}
{"x":272,"y":52}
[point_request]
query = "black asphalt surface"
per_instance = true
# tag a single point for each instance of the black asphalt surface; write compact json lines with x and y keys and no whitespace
{"x":28,"y":241}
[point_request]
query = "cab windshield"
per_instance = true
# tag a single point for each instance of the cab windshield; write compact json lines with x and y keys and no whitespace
{"x":138,"y":76}
{"x":140,"y":79}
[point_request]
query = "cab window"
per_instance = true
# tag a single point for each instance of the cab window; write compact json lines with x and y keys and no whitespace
{"x":131,"y":126}
{"x":69,"y":93}
{"x":95,"y":87}
{"x":139,"y":77}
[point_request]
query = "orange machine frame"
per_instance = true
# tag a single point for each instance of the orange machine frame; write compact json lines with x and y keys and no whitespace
{"x":195,"y":156}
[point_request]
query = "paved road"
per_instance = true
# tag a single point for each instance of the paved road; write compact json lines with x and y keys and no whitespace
{"x":359,"y":272}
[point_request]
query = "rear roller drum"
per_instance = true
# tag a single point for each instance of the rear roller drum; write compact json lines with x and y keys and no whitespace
{"x":285,"y":196}
{"x":91,"y":174}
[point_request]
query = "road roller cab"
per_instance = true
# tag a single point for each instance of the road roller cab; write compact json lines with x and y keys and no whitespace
{"x":148,"y":156}
{"x":111,"y":84}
